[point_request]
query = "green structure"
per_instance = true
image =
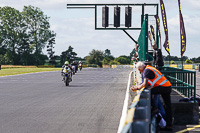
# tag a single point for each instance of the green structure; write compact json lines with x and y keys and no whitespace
{"x":143,"y":40}
{"x":182,"y":80}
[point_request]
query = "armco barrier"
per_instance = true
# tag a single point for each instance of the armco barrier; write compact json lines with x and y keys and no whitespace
{"x":138,"y":118}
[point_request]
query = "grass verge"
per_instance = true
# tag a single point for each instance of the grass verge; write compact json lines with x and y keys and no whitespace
{"x":16,"y":71}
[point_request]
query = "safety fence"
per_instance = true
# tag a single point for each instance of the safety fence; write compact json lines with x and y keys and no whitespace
{"x":182,"y":80}
{"x":138,"y":118}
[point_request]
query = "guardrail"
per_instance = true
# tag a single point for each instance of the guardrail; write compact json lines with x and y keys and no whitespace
{"x":182,"y":80}
{"x":138,"y":118}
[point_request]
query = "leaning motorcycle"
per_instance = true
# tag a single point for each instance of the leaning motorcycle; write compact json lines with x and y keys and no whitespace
{"x":67,"y":76}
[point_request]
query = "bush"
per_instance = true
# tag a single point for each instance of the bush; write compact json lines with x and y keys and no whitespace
{"x":107,"y":60}
{"x":122,"y":60}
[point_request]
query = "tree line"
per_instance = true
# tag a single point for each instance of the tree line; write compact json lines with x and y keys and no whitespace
{"x":23,"y":35}
{"x":105,"y":58}
{"x":185,"y":59}
{"x":95,"y":57}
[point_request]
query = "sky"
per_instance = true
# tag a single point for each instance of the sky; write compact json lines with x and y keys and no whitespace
{"x":76,"y":27}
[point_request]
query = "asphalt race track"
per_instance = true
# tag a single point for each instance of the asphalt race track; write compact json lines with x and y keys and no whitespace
{"x":41,"y":103}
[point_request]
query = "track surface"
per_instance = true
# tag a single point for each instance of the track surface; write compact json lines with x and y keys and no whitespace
{"x":41,"y":103}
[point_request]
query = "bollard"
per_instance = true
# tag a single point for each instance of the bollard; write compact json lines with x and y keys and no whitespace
{"x":139,"y":127}
{"x":141,"y":113}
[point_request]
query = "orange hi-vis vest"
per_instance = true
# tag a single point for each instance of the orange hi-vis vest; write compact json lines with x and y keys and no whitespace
{"x":159,"y":79}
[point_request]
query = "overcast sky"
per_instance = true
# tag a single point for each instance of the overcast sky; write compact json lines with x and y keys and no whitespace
{"x":76,"y":27}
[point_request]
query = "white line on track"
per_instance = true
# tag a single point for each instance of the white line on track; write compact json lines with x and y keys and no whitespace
{"x":125,"y":107}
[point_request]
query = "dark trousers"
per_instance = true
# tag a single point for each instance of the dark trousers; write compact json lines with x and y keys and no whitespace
{"x":165,"y":93}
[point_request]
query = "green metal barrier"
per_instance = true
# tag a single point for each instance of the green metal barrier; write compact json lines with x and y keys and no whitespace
{"x":143,"y":40}
{"x":182,"y":80}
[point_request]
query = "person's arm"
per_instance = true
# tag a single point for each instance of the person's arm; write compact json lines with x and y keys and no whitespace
{"x":144,"y":84}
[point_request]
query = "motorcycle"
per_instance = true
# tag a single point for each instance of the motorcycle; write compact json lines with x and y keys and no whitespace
{"x":76,"y":68}
{"x":73,"y":70}
{"x":67,"y":76}
{"x":80,"y":67}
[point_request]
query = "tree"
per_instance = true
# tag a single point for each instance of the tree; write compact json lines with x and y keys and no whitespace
{"x":5,"y":59}
{"x":3,"y":51}
{"x":196,"y":60}
{"x":123,"y":59}
{"x":174,"y":58}
{"x":106,"y":60}
{"x":107,"y":53}
{"x":38,"y":28}
{"x":95,"y":57}
{"x":50,"y":50}
{"x":193,"y":59}
{"x":107,"y":57}
{"x":23,"y":33}
{"x":185,"y":58}
{"x":68,"y":55}
{"x":11,"y":29}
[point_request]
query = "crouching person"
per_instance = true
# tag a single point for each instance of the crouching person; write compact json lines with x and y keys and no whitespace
{"x":159,"y":85}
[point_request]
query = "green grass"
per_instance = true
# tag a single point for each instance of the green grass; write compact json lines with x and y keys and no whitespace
{"x":16,"y":71}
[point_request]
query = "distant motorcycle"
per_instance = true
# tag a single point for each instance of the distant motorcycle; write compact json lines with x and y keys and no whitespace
{"x":80,"y":67}
{"x":73,"y":70}
{"x":67,"y":76}
{"x":76,"y":67}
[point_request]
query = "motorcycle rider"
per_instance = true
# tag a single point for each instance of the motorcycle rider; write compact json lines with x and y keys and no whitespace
{"x":80,"y":65}
{"x":66,"y":66}
{"x":75,"y":66}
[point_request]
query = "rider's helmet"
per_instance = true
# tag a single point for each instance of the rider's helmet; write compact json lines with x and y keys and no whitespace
{"x":66,"y":62}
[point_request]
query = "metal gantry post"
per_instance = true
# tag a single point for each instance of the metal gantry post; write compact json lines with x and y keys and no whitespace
{"x":146,"y":37}
{"x":142,"y":16}
{"x":194,"y":86}
{"x":95,"y":16}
